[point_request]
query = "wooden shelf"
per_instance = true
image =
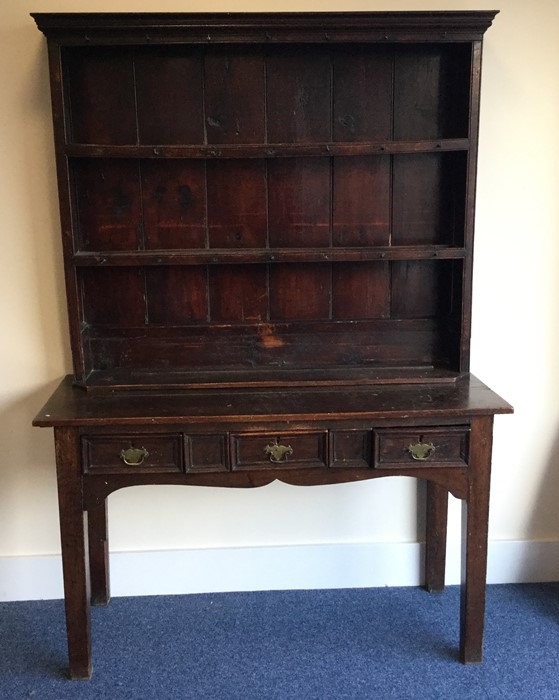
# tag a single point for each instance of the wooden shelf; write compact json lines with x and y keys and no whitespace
{"x":219,"y":256}
{"x":272,"y":150}
{"x":110,"y":380}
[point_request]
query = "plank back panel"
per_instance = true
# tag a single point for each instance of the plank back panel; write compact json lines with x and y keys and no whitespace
{"x":361,"y":290}
{"x":170,"y":78}
{"x":234,"y":93}
{"x":101,"y":95}
{"x":361,"y":201}
{"x":430,"y":96}
{"x":176,"y":295}
{"x":435,"y":284}
{"x":363,"y":89}
{"x":113,"y":296}
{"x":238,"y":293}
{"x":298,"y":95}
{"x":237,"y":204}
{"x":108,"y":204}
{"x":297,"y":345}
{"x":300,"y":291}
{"x":428,"y":199}
{"x":173,"y":198}
{"x":299,"y":202}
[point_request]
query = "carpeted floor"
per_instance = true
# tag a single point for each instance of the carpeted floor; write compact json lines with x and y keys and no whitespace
{"x":311,"y":645}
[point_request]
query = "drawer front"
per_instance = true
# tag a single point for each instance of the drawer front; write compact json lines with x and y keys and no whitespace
{"x":273,"y":450}
{"x":114,"y":454}
{"x":422,"y":447}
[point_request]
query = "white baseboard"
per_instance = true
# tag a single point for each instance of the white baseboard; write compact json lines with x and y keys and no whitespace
{"x":276,"y":568}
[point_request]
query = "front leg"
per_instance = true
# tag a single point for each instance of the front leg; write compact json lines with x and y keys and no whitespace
{"x":475,"y":516}
{"x":75,"y":563}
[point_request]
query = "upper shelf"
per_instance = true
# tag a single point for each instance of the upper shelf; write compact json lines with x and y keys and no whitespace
{"x":87,"y":27}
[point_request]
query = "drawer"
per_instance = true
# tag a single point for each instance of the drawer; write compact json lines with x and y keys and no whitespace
{"x":278,"y":450}
{"x":422,"y":447}
{"x":114,"y":454}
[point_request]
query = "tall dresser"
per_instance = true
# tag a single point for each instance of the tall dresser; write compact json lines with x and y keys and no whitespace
{"x":267,"y":225}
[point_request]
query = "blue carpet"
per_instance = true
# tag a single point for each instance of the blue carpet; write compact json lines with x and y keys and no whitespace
{"x":289,"y":645}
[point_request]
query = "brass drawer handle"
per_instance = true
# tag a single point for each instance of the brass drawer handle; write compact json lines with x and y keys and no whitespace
{"x":278,"y":453}
{"x":421,"y":451}
{"x":133,"y":456}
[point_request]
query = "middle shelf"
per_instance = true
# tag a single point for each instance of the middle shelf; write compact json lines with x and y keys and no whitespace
{"x":218,"y":256}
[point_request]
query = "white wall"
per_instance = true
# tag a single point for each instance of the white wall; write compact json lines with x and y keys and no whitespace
{"x":514,"y":342}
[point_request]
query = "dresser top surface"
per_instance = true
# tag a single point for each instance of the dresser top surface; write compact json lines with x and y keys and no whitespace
{"x":70,"y":405}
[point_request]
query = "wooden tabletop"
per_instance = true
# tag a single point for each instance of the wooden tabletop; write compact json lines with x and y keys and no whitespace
{"x":70,"y":405}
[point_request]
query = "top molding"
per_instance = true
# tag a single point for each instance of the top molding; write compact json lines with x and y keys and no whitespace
{"x":88,"y":28}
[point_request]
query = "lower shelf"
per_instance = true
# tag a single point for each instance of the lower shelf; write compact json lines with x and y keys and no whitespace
{"x":110,"y":380}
